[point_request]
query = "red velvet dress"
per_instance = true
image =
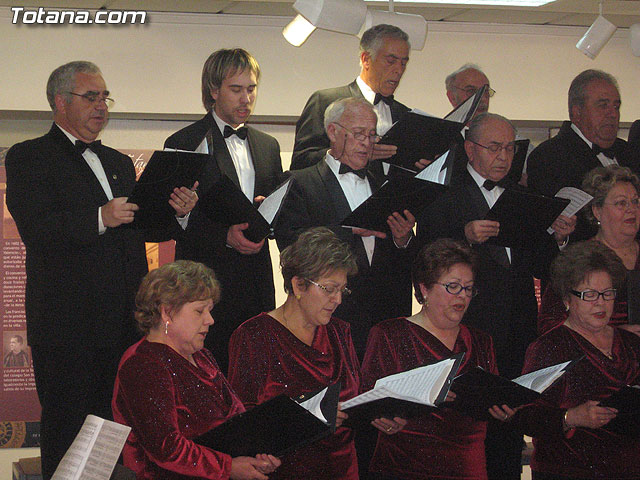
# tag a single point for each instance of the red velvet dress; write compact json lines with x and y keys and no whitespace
{"x":553,"y":312}
{"x":582,"y":452}
{"x":445,"y":444}
{"x":266,"y":359}
{"x":167,"y":402}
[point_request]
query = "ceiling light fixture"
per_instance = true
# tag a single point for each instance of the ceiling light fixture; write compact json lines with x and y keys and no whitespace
{"x":344,"y":16}
{"x":413,"y":25}
{"x":501,"y":3}
{"x":597,"y":36}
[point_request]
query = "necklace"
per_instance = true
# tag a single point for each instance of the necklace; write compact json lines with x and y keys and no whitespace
{"x":593,"y":340}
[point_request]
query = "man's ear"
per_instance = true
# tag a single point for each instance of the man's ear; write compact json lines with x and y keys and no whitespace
{"x":61,"y":103}
{"x":332,"y":132}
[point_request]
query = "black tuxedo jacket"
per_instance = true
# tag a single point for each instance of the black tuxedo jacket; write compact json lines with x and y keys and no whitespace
{"x":80,"y":285}
{"x":564,"y":161}
{"x":311,"y":142}
{"x":381,"y":290}
{"x":506,"y":306}
{"x":246,"y":280}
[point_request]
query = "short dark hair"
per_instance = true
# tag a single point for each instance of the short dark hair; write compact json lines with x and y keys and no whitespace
{"x":316,"y":251}
{"x":18,"y":338}
{"x":599,"y":181}
{"x":63,"y":79}
{"x":174,"y":285}
{"x":476,"y":124}
{"x":220,"y":65}
{"x":578,"y":260}
{"x":373,"y":38}
{"x":577,"y":95}
{"x":436,"y":258}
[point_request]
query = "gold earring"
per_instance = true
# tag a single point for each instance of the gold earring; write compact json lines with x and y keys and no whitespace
{"x":566,"y":307}
{"x":297,"y":296}
{"x":166,"y":328}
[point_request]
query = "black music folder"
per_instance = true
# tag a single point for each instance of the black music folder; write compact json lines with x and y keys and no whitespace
{"x":277,"y":426}
{"x":165,"y":171}
{"x":633,"y":297}
{"x":226,"y":199}
{"x":417,"y":136}
{"x":464,"y":112}
{"x":478,"y":390}
{"x":519,"y":157}
{"x":407,"y":394}
{"x":524,"y":217}
{"x":627,"y":402}
{"x":396,"y":194}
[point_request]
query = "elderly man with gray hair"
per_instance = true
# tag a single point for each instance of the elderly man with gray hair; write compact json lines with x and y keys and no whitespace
{"x":464,"y":83}
{"x":588,"y":140}
{"x":325,"y":193}
{"x":384,"y":54}
{"x":506,"y":307}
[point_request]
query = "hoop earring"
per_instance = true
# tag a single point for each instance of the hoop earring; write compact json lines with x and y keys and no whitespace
{"x":166,"y":328}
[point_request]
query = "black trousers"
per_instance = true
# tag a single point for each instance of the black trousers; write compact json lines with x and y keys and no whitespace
{"x":71,"y":385}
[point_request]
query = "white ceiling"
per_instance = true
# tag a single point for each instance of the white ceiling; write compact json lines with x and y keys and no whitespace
{"x":623,"y":13}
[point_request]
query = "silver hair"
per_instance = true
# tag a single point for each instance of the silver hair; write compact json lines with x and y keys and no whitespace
{"x":448,"y":82}
{"x":475,"y":126}
{"x":63,"y":79}
{"x":373,"y":38}
{"x":334,"y":112}
{"x":577,"y":95}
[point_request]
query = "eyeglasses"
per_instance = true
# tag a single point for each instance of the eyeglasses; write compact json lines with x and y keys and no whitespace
{"x":496,"y":147}
{"x":361,"y":137}
{"x":330,"y":290}
{"x":593,"y":295}
{"x":624,"y":203}
{"x":93,"y":97}
{"x":470,"y":91}
{"x":454,"y":288}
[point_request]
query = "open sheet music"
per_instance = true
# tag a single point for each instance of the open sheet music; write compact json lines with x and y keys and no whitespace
{"x":425,"y":386}
{"x":539,"y":380}
{"x":578,"y":199}
{"x":94,"y":452}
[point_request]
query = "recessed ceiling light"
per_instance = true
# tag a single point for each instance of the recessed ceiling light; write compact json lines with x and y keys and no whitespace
{"x":501,"y":3}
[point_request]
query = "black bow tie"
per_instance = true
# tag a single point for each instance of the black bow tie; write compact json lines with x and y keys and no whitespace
{"x":608,"y":152}
{"x":240,"y":132}
{"x":490,"y":184}
{"x":362,"y":173}
{"x":94,"y":146}
{"x":388,"y":100}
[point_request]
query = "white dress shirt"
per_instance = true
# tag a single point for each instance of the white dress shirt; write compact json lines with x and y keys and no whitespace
{"x":357,"y":190}
{"x":98,"y":170}
{"x":240,"y":155}
{"x":604,"y":160}
{"x":491,"y":196}
{"x":382,"y":109}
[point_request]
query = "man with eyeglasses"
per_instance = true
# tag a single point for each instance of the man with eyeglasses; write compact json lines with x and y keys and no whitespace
{"x":384,"y":54}
{"x":588,"y":140}
{"x":464,"y":83}
{"x":325,"y":193}
{"x":68,"y":196}
{"x":506,"y":306}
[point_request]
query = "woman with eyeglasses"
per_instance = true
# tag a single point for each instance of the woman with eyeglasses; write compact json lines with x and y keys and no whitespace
{"x":300,"y":347}
{"x":443,"y":444}
{"x":569,"y":426}
{"x":614,"y":209}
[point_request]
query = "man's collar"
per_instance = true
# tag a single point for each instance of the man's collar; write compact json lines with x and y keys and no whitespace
{"x":479,"y":179}
{"x":221,"y":123}
{"x":71,"y":138}
{"x":579,"y":133}
{"x":366,"y":90}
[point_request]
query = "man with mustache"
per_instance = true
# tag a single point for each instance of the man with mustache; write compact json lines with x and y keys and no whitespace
{"x":251,"y":159}
{"x":68,"y":196}
{"x":506,"y":306}
{"x":587,"y":141}
{"x":384,"y":54}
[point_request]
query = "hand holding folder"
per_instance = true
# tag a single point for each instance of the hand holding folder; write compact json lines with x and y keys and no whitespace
{"x":627,"y":402}
{"x":277,"y":426}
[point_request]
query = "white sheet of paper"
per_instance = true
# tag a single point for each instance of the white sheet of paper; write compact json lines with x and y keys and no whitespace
{"x":313,"y":404}
{"x":434,"y":171}
{"x":270,"y":205}
{"x":578,"y":200}
{"x":541,"y":379}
